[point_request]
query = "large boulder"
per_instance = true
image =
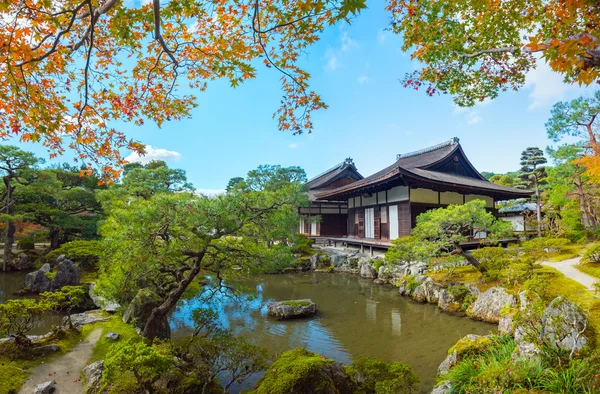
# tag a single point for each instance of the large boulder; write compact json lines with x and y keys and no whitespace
{"x":67,"y":274}
{"x":448,"y":363}
{"x":564,"y":325}
{"x":23,"y":263}
{"x":489,"y":304}
{"x":444,"y":388}
{"x":139,"y":310}
{"x":367,"y":270}
{"x":292,"y":309}
{"x":93,"y":376}
{"x":101,"y":302}
{"x":38,"y":281}
{"x":81,"y":319}
{"x":427,"y":291}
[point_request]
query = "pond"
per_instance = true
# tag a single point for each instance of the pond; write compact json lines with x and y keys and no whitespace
{"x":356,"y":318}
{"x":11,"y":282}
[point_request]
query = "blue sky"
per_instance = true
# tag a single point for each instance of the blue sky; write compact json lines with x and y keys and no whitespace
{"x":356,"y":69}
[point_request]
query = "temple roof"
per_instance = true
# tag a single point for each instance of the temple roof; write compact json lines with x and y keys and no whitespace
{"x":444,"y":165}
{"x":332,"y":174}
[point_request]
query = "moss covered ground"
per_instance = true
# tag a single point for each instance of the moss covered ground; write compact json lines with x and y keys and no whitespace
{"x":590,"y":269}
{"x":558,"y":285}
{"x":296,"y":303}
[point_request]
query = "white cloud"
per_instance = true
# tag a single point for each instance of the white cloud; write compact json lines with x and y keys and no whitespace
{"x":362,"y":79}
{"x":153,"y":154}
{"x":473,"y":117}
{"x":292,"y":146}
{"x":209,"y":192}
{"x":332,"y":60}
{"x":347,"y":42}
{"x":547,"y":87}
{"x":332,"y":55}
{"x":381,"y":36}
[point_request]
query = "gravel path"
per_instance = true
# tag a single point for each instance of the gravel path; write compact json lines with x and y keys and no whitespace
{"x":65,"y":370}
{"x":568,"y":269}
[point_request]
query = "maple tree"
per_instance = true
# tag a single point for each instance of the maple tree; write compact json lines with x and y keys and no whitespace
{"x":71,"y":68}
{"x":476,"y":49}
{"x":579,"y":118}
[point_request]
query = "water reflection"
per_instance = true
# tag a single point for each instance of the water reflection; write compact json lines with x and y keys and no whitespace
{"x":356,"y":319}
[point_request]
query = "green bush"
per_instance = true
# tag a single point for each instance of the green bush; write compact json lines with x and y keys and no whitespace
{"x":592,"y":255}
{"x":26,"y":243}
{"x":85,"y":253}
{"x":382,"y":378}
{"x":411,"y":283}
{"x":18,"y":317}
{"x":146,"y":362}
{"x":544,"y":245}
{"x":409,"y":249}
{"x":302,"y":245}
{"x":376,"y":264}
{"x":494,"y":259}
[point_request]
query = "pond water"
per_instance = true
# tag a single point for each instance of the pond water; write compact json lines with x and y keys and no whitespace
{"x":11,"y":282}
{"x":356,"y":319}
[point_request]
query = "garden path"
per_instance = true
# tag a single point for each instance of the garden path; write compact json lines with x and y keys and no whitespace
{"x":568,"y":268}
{"x":65,"y":370}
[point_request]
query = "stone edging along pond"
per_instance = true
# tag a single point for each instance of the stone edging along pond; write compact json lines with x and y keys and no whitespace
{"x":495,"y":305}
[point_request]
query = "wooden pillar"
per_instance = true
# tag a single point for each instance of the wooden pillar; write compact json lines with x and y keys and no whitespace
{"x":362,"y":248}
{"x":371,"y":250}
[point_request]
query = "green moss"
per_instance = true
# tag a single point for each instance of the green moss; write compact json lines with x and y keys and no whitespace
{"x":411,"y":283}
{"x":115,"y":324}
{"x":50,"y":275}
{"x":296,"y":371}
{"x":376,"y":264}
{"x":470,"y":346}
{"x":296,"y":303}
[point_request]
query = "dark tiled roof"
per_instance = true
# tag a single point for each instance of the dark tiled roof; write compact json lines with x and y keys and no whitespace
{"x":417,"y":164}
{"x":329,"y":175}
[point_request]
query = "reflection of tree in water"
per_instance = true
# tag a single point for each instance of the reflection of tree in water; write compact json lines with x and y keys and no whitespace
{"x":356,"y":318}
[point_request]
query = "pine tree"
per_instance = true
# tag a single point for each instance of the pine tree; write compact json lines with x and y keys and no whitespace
{"x":533,"y":174}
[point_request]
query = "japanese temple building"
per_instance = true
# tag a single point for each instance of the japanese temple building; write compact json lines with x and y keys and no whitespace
{"x":333,"y":214}
{"x":384,"y":206}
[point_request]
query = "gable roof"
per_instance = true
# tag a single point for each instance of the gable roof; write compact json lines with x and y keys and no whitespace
{"x":324,"y":178}
{"x":426,"y":165}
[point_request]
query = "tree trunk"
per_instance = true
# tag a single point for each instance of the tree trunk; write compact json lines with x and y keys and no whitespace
{"x":584,"y":213}
{"x":54,"y":238}
{"x":593,"y":142}
{"x":469,"y":257}
{"x":160,"y":312}
{"x":9,"y":230}
{"x":538,"y":206}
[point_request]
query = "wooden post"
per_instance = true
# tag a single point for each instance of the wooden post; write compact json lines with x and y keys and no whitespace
{"x":362,"y":248}
{"x":371,"y":250}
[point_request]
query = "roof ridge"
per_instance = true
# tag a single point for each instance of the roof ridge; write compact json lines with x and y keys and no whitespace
{"x":339,"y":165}
{"x":452,"y":141}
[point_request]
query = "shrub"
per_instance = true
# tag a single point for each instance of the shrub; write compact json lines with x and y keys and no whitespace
{"x":67,"y":298}
{"x":382,"y":378}
{"x":85,"y":253}
{"x":303,"y":245}
{"x":543,"y":245}
{"x":376,"y":264}
{"x":146,"y":362}
{"x":459,"y":293}
{"x":411,"y":283}
{"x":592,"y":255}
{"x":18,"y":317}
{"x":494,"y":259}
{"x":26,"y":243}
{"x":409,"y":249}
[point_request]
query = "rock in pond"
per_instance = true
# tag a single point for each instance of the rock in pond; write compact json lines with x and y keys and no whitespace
{"x":367,"y":271}
{"x":24,"y":263}
{"x":444,"y":388}
{"x":292,"y":309}
{"x":38,"y":281}
{"x":67,"y":274}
